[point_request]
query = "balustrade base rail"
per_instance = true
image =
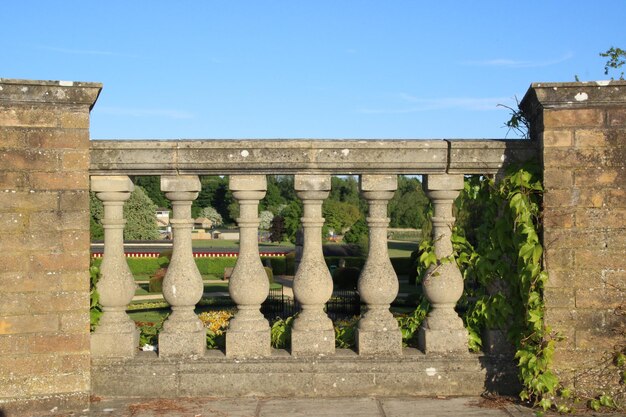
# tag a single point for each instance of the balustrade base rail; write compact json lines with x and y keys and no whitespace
{"x":340,"y":375}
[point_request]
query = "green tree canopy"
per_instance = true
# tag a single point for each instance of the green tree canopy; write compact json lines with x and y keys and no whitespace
{"x":409,"y":205}
{"x":211,"y":214}
{"x":139,"y":212}
{"x":265,"y":219}
{"x":140,"y":215}
{"x":152,"y":186}
{"x":339,"y":215}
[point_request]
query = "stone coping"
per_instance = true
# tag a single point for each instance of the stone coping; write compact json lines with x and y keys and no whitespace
{"x":14,"y":92}
{"x":293,"y":156}
{"x":343,"y":374}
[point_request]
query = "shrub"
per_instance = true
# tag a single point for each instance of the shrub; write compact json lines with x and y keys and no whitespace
{"x":402,"y":266}
{"x":351,"y":261}
{"x":345,"y":333}
{"x":215,"y":266}
{"x":156,"y":281}
{"x":346,"y":278}
{"x":290,"y":263}
{"x":145,"y":266}
{"x":215,"y":322}
{"x":278,"y":264}
{"x":270,"y":274}
{"x":281,"y":333}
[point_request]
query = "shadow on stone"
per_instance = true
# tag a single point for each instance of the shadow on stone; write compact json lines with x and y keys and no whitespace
{"x":501,"y":376}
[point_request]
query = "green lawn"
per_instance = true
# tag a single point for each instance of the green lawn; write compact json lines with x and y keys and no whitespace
{"x":398,"y":249}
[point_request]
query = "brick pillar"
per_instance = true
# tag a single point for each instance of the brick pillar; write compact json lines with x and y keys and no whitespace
{"x":581,"y":130}
{"x":44,"y":245}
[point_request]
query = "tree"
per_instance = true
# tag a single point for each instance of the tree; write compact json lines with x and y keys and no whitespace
{"x":357,"y":232}
{"x":273,"y":197}
{"x":211,"y":214}
{"x":139,"y":213}
{"x":265,"y":219}
{"x":339,"y":215}
{"x":346,"y":190}
{"x":292,"y":214}
{"x":409,"y":205}
{"x":152,"y":186}
{"x":277,"y":229}
{"x":96,"y":210}
{"x":616,"y":59}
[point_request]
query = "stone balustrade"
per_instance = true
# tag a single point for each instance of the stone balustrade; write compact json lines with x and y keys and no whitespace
{"x":50,"y":359}
{"x":179,"y":163}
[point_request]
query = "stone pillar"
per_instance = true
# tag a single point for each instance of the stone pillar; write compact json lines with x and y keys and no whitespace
{"x":116,"y":334}
{"x":443,"y":331}
{"x":44,"y":245}
{"x":313,"y":332}
{"x":183,"y":333}
{"x":378,"y":332}
{"x":580,"y":130}
{"x":249,"y":333}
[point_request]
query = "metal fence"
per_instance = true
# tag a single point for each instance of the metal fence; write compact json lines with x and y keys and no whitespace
{"x":341,"y":305}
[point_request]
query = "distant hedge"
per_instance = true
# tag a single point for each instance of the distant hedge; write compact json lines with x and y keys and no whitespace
{"x":281,"y":265}
{"x":207,"y":266}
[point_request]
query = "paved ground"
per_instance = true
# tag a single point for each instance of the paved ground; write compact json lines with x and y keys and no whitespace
{"x":321,"y":407}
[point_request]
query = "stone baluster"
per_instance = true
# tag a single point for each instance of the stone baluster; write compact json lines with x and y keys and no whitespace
{"x":183,"y":333}
{"x":313,"y":332}
{"x":442,"y":330}
{"x":116,"y":334}
{"x":249,"y":333}
{"x":378,"y":332}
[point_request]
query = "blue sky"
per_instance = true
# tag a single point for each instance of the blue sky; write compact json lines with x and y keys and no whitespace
{"x":307,"y":69}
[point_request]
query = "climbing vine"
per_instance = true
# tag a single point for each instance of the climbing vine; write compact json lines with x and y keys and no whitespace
{"x":498,"y":248}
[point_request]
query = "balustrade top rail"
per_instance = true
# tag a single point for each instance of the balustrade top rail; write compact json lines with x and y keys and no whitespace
{"x":291,"y":156}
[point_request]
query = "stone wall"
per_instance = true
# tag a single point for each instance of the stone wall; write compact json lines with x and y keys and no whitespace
{"x":581,"y":129}
{"x":44,"y":244}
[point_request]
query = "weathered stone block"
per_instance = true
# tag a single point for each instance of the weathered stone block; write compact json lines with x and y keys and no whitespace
{"x":74,"y":322}
{"x":600,"y":259}
{"x":379,"y":182}
{"x":616,"y":198}
{"x":42,"y":323}
{"x":29,"y":160}
{"x":559,"y":297}
{"x":590,"y":340}
{"x":379,"y":343}
{"x":585,"y":138}
{"x":74,"y":119}
{"x":248,"y":344}
{"x":562,"y":218}
{"x":312,"y":342}
{"x":600,"y":177}
{"x":557,"y":138}
{"x":616,"y":117}
{"x":122,"y":345}
{"x":247,"y":183}
{"x":25,"y":202}
{"x":312,"y":182}
{"x":557,"y":178}
{"x":560,"y":118}
{"x":182,"y":344}
{"x":436,"y":182}
{"x":75,"y":160}
{"x":180,"y":183}
{"x":27,"y":116}
{"x":59,"y":342}
{"x":600,"y":298}
{"x":600,"y":218}
{"x":14,"y":180}
{"x":111,"y":183}
{"x":443,"y":341}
